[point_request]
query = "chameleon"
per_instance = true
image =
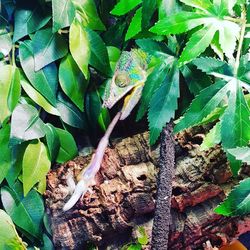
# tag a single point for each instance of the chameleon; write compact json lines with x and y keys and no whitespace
{"x":128,"y":80}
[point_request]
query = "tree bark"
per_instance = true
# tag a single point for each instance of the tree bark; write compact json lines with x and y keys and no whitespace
{"x":124,"y":196}
{"x":162,"y":216}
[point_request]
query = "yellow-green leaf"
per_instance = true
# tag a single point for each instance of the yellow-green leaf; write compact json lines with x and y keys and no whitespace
{"x":9,"y":238}
{"x":79,"y":45}
{"x":87,"y":10}
{"x":36,"y":165}
{"x":10,"y":90}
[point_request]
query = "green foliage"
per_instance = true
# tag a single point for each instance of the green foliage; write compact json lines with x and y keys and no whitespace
{"x":212,"y":17}
{"x":10,"y":90}
{"x":56,"y":57}
{"x":163,"y":104}
{"x":238,"y":201}
{"x":79,"y":45}
{"x":36,"y":165}
{"x":9,"y":238}
{"x":242,"y":154}
{"x":30,"y":207}
{"x":141,"y":240}
{"x":72,"y":81}
{"x":63,"y":12}
{"x":68,"y":148}
{"x":48,"y":47}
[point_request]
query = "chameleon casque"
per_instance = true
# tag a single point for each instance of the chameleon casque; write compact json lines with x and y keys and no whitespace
{"x":128,"y":81}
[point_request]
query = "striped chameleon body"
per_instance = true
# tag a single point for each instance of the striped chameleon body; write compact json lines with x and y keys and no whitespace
{"x":128,"y":81}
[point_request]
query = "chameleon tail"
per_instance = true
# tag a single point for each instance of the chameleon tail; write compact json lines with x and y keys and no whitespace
{"x":81,"y":189}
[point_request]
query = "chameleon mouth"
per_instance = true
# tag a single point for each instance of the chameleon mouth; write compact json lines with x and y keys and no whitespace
{"x":113,"y":99}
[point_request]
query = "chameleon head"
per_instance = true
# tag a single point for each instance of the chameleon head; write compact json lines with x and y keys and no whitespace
{"x":117,"y":88}
{"x":129,"y":73}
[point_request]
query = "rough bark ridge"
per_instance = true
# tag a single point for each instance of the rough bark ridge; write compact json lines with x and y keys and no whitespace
{"x":162,"y":215}
{"x":125,"y":196}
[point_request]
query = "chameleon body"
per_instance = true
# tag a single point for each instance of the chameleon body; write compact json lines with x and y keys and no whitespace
{"x":128,"y":80}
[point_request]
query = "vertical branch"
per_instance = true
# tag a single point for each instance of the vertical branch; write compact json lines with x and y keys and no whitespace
{"x":162,"y":216}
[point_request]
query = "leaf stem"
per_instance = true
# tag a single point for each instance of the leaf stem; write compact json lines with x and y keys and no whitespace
{"x":13,"y":56}
{"x":242,"y":34}
{"x":235,"y":20}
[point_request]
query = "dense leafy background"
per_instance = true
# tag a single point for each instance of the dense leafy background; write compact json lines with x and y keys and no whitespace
{"x":55,"y":59}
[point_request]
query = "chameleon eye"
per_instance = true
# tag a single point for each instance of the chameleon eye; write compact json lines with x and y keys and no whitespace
{"x":121,"y":80}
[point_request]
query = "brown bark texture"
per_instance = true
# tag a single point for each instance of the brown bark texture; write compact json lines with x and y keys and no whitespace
{"x":125,"y":193}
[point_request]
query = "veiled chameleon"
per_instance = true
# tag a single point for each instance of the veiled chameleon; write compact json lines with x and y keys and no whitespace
{"x":128,"y":80}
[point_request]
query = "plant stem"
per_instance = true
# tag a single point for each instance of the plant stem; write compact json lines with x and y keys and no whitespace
{"x":242,"y":34}
{"x":235,"y":20}
{"x":13,"y":56}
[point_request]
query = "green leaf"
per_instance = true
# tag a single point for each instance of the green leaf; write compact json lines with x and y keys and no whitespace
{"x":97,"y":115}
{"x":10,"y":90}
{"x":9,"y":238}
{"x":79,"y":46}
{"x":154,"y":80}
{"x":52,"y":140}
{"x":213,"y":66}
{"x":212,"y":138}
{"x":124,"y":6}
{"x":195,"y":79}
{"x":224,"y":7}
{"x":99,"y":55}
{"x":44,"y":80}
{"x":237,"y":202}
{"x":25,"y":124}
{"x":163,"y":104}
{"x":148,"y":9}
{"x":180,"y":22}
{"x":17,"y":152}
{"x":135,"y":26}
{"x":26,"y":212}
{"x":228,"y":34}
{"x":37,"y":97}
{"x":199,"y":4}
{"x":242,"y":154}
{"x":6,"y":43}
{"x":68,"y":149}
{"x":134,"y":247}
{"x":244,"y":70}
{"x":235,"y":123}
{"x":142,"y":236}
{"x":155,"y":48}
{"x":114,"y":55}
{"x":168,"y":7}
{"x":197,"y":44}
{"x":28,"y":19}
{"x":5,"y":39}
{"x":36,"y":165}
{"x":72,"y":81}
{"x":69,"y":113}
{"x":87,"y":10}
{"x":5,"y":156}
{"x":63,"y":14}
{"x":47,"y":243}
{"x":48,"y":47}
{"x":203,"y":104}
